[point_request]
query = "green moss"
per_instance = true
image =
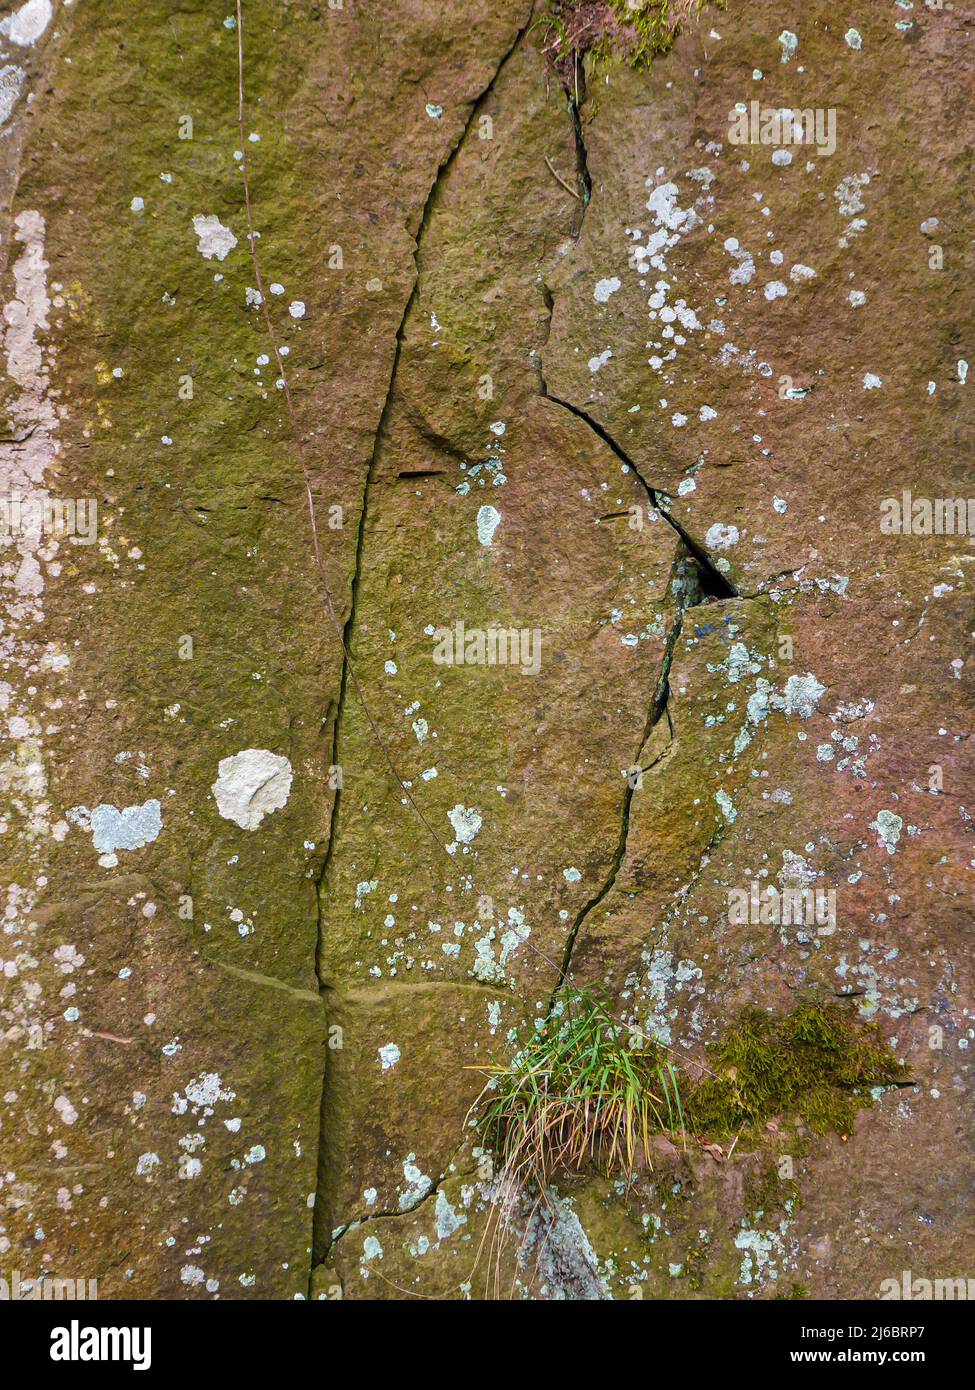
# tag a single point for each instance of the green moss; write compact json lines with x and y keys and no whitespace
{"x":581,"y":1093}
{"x":650,"y":27}
{"x":636,"y":30}
{"x":814,"y":1064}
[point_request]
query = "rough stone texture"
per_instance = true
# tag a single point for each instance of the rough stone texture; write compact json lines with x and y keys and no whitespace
{"x":237,"y":1059}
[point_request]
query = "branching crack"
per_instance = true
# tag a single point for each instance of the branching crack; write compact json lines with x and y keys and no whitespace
{"x":713,"y":583}
{"x":716,"y":584}
{"x":407,"y":1210}
{"x":719,"y":585}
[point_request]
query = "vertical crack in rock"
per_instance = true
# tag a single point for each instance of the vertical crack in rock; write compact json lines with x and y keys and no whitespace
{"x":656,"y":712}
{"x":575,"y":98}
{"x":713,"y":582}
{"x":443,"y":171}
{"x":716,"y":586}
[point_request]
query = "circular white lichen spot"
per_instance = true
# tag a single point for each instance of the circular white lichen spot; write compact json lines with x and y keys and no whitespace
{"x":721,"y":537}
{"x":251,"y":785}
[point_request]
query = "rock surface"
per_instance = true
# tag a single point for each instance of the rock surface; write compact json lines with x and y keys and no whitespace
{"x":602,"y":412}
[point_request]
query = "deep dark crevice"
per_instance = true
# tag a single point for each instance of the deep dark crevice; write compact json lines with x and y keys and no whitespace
{"x":575,"y":98}
{"x":715,"y":584}
{"x":443,"y":170}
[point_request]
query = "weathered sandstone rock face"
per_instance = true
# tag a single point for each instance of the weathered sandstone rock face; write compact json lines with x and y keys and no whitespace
{"x":608,"y":390}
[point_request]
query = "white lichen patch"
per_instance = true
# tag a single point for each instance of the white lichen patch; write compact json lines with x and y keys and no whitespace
{"x":133,"y":827}
{"x":26,"y":25}
{"x":888,"y":827}
{"x":11,"y":81}
{"x":605,"y":288}
{"x":26,"y":550}
{"x":489,"y":967}
{"x":488,"y":521}
{"x":113,"y":828}
{"x":448,"y":1219}
{"x":466,"y":823}
{"x":418,"y":1184}
{"x":660,"y":982}
{"x":763,"y":1253}
{"x":556,"y":1244}
{"x":389,"y":1055}
{"x":214,"y":240}
{"x":720,"y":537}
{"x":251,"y":785}
{"x":801,"y":696}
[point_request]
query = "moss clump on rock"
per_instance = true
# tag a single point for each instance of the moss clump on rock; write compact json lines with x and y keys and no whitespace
{"x":649,"y":27}
{"x":637,"y":30}
{"x":584,"y":1092}
{"x":814,"y":1064}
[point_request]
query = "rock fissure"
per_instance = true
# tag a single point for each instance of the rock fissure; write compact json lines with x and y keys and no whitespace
{"x":715,"y":583}
{"x":442,"y":172}
{"x":712,"y":581}
{"x":386,"y":1215}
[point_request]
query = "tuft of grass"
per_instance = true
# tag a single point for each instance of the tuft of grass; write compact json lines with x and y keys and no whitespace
{"x":583,"y":1091}
{"x":587,"y":1091}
